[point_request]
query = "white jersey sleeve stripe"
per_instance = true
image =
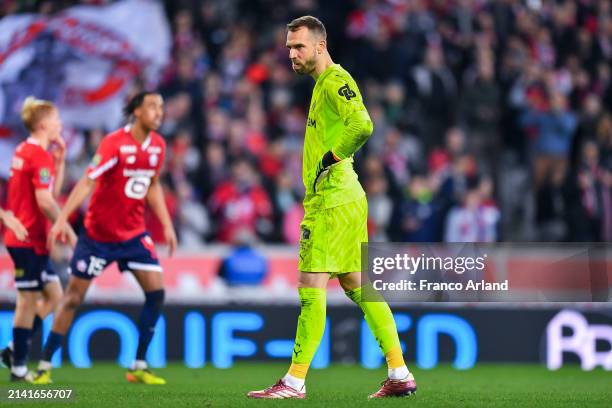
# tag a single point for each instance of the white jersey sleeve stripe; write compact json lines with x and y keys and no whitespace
{"x":103,"y":168}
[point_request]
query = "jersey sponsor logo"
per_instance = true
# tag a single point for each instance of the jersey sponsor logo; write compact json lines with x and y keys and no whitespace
{"x":347,"y":92}
{"x":127,"y":149}
{"x":312,"y":123}
{"x":17,"y":163}
{"x":131,"y":160}
{"x":19,"y":273}
{"x":136,"y":187}
{"x":154,"y":150}
{"x":153,"y":159}
{"x":45,"y":175}
{"x":138,"y":172}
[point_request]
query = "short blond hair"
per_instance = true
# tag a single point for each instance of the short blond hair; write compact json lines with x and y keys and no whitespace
{"x":33,"y":110}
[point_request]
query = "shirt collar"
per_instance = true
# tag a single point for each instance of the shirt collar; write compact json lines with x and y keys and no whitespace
{"x":327,"y":71}
{"x":33,"y":141}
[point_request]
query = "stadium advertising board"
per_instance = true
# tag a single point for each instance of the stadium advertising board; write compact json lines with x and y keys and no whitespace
{"x":222,"y":336}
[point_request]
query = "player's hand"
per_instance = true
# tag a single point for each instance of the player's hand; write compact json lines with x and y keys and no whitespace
{"x":328,"y":159}
{"x":59,"y":231}
{"x":58,"y":150}
{"x":15,"y":225}
{"x":170,"y":238}
{"x":72,"y":237}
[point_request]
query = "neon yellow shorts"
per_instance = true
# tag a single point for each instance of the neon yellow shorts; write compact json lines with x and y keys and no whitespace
{"x":331,"y":238}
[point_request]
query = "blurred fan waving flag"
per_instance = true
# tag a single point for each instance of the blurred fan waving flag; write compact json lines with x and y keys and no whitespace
{"x":85,"y":59}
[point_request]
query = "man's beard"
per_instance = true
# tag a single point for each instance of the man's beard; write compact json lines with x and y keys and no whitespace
{"x":306,"y":68}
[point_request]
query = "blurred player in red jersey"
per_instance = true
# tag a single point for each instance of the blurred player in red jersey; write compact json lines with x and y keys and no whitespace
{"x":123,"y":175}
{"x":35,"y":181}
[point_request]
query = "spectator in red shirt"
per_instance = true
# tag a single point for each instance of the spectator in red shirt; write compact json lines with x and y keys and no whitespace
{"x":240,"y":204}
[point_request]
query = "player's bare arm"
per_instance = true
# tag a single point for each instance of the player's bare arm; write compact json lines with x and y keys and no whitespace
{"x":47,"y":204}
{"x":58,"y":151}
{"x":61,"y":228}
{"x":155,"y":200}
{"x":11,"y":222}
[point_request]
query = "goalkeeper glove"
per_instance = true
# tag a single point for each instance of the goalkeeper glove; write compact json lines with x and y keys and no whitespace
{"x":327,"y":160}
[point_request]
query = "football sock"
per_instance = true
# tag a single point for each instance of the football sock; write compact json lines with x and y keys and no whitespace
{"x":44,"y":365}
{"x":294,"y":382}
{"x":139,"y":365}
{"x":399,"y":373}
{"x":148,"y":318}
{"x":19,"y":371}
{"x":35,"y":326}
{"x":380,"y":320}
{"x":54,"y":342}
{"x":310,"y":328}
{"x":21,"y":344}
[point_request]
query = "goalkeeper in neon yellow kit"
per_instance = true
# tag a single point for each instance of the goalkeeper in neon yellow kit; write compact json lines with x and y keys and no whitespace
{"x":334,"y":224}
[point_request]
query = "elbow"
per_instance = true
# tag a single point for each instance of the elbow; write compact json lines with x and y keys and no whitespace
{"x":368,"y":128}
{"x":363,"y":124}
{"x":44,"y":203}
{"x":86,"y":184}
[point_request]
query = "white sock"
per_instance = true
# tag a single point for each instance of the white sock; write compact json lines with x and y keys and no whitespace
{"x":19,"y":371}
{"x":44,"y":365}
{"x":294,"y":382}
{"x":10,"y":345}
{"x":139,"y":365}
{"x":398,"y":373}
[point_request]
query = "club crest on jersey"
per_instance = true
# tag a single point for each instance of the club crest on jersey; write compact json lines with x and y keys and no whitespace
{"x":347,"y":92}
{"x":130,"y":160}
{"x":153,"y":159}
{"x":45,"y":175}
{"x":81,"y":265}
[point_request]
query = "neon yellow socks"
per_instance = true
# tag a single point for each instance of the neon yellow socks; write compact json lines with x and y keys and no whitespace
{"x":311,"y":325}
{"x":380,"y":320}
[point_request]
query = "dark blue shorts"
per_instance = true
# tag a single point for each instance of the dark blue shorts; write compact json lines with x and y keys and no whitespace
{"x":92,"y":257}
{"x":32,"y":271}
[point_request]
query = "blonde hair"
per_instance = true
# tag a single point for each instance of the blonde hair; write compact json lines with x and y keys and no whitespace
{"x":34,"y":110}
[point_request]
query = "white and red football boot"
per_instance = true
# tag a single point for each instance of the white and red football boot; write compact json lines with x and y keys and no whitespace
{"x":280,"y":390}
{"x":396,"y":388}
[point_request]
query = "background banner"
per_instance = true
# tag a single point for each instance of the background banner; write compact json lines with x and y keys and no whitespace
{"x":221,"y":336}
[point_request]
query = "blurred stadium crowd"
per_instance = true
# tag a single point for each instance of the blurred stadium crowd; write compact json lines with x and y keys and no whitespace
{"x":492,"y":118}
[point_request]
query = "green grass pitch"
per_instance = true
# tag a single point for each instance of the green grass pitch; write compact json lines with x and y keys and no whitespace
{"x":338,"y":386}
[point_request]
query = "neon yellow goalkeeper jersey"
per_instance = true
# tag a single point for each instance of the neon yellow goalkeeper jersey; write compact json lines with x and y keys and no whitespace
{"x":335,"y":106}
